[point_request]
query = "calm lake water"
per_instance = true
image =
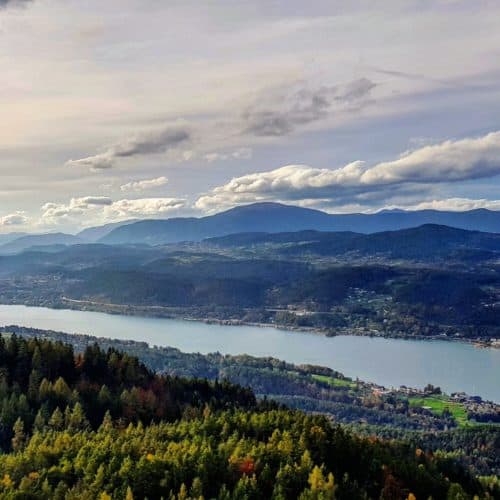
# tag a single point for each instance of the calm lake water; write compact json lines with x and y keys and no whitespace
{"x":391,"y":362}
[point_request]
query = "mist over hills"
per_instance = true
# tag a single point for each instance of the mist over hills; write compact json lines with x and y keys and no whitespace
{"x":8,"y":237}
{"x":38,"y":240}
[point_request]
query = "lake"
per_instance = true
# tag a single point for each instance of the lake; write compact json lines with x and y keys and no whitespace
{"x":453,"y":366}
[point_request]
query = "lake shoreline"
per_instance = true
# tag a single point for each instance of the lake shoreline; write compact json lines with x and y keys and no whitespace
{"x":385,"y":361}
{"x":174,"y":313}
{"x":80,"y":341}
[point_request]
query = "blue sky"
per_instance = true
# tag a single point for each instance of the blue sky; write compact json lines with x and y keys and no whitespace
{"x":125,"y":109}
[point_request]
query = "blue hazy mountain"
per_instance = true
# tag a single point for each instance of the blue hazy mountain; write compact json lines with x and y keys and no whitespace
{"x":275,"y":217}
{"x":93,"y":234}
{"x":39,"y":241}
{"x":8,"y":237}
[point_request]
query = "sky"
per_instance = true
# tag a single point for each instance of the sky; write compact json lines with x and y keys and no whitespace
{"x":129,"y":109}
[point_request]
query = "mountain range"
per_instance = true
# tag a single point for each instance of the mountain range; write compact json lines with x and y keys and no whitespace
{"x":257,"y":217}
{"x":275,"y":217}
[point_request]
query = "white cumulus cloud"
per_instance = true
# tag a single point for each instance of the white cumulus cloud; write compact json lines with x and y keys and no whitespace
{"x":99,"y":209}
{"x":357,"y":182}
{"x":14,"y":219}
{"x":143,"y":207}
{"x":144,"y":184}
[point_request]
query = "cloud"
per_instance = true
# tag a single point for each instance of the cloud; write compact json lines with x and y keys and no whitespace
{"x":100,"y":209}
{"x":75,"y":207}
{"x":8,"y":3}
{"x":418,"y":170}
{"x":237,"y":154}
{"x":14,"y":219}
{"x":454,"y":204}
{"x":150,"y":142}
{"x":276,"y":111}
{"x":280,"y":113}
{"x":144,"y":184}
{"x":449,"y":161}
{"x":143,"y":207}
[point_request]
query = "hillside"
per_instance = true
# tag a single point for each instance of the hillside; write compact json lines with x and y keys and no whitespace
{"x":8,"y":237}
{"x":429,"y":241}
{"x":426,"y":281}
{"x":93,"y":234}
{"x":100,"y":425}
{"x":38,"y":240}
{"x":274,"y":217}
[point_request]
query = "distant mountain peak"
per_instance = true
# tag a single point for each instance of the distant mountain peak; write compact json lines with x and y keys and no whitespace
{"x":272,"y":217}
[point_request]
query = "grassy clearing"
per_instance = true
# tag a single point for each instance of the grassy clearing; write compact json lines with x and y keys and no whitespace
{"x":335,"y":382}
{"x":439,"y":404}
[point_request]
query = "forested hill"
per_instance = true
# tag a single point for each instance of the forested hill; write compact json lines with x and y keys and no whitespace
{"x":431,"y":280}
{"x":426,"y":242}
{"x":100,"y":425}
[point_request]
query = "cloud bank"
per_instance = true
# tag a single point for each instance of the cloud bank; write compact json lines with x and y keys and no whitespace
{"x":100,"y":209}
{"x":418,"y":170}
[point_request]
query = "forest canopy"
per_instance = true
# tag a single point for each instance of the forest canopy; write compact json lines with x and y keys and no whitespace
{"x":102,"y":425}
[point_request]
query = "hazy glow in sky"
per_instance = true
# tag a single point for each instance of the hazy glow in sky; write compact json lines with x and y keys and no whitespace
{"x":144,"y":108}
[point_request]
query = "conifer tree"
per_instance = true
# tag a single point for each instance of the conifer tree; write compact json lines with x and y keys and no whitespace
{"x":19,"y":439}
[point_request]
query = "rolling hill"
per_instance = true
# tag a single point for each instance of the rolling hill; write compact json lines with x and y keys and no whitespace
{"x":429,"y":241}
{"x":38,"y":240}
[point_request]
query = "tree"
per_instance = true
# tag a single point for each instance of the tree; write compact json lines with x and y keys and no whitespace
{"x":40,"y":422}
{"x":56,"y":420}
{"x":34,"y":384}
{"x":197,"y":488}
{"x":19,"y":439}
{"x":456,"y":492}
{"x":320,"y":488}
{"x":77,"y":420}
{"x":107,"y":422}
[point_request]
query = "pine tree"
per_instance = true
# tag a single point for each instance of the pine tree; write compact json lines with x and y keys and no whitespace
{"x":56,"y":421}
{"x":77,"y":420}
{"x":320,"y":488}
{"x":37,"y":360}
{"x":197,"y":489}
{"x":183,"y":493}
{"x":107,"y":422}
{"x":19,"y":439}
{"x":40,"y":422}
{"x":34,"y":385}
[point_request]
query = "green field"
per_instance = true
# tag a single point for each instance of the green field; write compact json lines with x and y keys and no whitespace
{"x":438,"y":404}
{"x":335,"y":382}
